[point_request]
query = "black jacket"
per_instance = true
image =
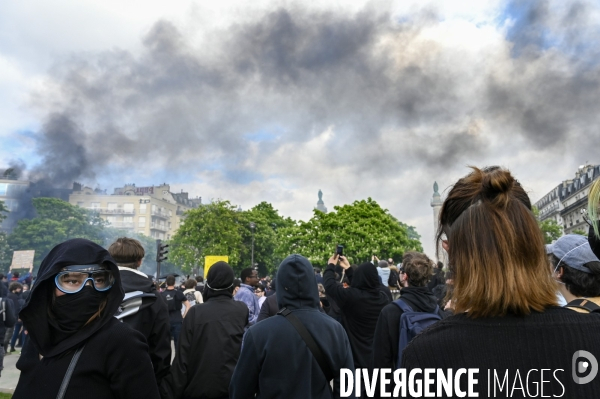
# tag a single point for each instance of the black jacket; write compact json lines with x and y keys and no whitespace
{"x":114,"y":362}
{"x":523,"y":344}
{"x":8,"y":319}
{"x":152,"y":320}
{"x":360,"y":305}
{"x":275,"y":362}
{"x":209,"y":348}
{"x":387,"y":333}
{"x":269,"y":308}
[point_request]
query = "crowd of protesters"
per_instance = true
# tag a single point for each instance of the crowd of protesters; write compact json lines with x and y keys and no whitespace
{"x":95,"y":326}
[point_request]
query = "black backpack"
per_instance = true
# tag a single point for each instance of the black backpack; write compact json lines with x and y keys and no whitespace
{"x":585,"y":304}
{"x":393,"y":279}
{"x":133,"y":302}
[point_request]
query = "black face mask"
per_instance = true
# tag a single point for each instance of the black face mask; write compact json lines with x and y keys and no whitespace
{"x":72,"y":311}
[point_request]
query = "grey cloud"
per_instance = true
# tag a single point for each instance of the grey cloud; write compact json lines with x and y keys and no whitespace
{"x":297,"y":72}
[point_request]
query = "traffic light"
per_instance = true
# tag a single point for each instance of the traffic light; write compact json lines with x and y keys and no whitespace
{"x":161,"y":251}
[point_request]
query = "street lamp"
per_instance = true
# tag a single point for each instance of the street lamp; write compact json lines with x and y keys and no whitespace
{"x":252,"y":227}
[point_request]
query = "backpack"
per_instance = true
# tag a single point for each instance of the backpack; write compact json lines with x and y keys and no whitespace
{"x":585,"y":304}
{"x":132,"y":303}
{"x":3,"y":309}
{"x":393,"y":279}
{"x":411,"y":324}
{"x":191,"y":298}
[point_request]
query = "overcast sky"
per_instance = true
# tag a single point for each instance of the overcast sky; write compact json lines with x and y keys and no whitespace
{"x":272,"y":101}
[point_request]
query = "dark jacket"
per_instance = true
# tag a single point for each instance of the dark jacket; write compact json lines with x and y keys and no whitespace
{"x":360,"y":304}
{"x":275,"y":362}
{"x":269,"y":308}
{"x":17,"y":300}
{"x":209,"y":348}
{"x":114,"y":362}
{"x":152,"y":320}
{"x":387,"y":332}
{"x":8,"y":319}
{"x":523,"y":344}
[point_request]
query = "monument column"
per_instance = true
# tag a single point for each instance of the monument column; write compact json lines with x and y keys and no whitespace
{"x":436,"y":204}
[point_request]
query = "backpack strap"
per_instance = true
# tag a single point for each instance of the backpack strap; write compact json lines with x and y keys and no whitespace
{"x":69,"y":373}
{"x":309,"y":341}
{"x":403,"y":305}
{"x":583,"y":303}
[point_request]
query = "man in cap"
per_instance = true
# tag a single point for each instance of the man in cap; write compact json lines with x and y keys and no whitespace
{"x":577,"y":271}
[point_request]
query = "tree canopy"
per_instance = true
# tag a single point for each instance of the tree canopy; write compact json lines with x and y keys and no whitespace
{"x":56,"y":221}
{"x":551,"y":230}
{"x":219,"y":229}
{"x":363,"y":228}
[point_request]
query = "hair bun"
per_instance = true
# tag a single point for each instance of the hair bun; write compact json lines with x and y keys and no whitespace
{"x":496,"y":182}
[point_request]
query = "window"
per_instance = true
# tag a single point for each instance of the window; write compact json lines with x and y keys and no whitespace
{"x":95,"y":205}
{"x":141,"y":221}
{"x":142,"y":208}
{"x":112,"y":206}
{"x":170,"y":213}
{"x":3,"y":188}
{"x":153,"y":208}
{"x":128,"y":219}
{"x":128,"y":207}
{"x":111,"y":219}
{"x":80,"y":204}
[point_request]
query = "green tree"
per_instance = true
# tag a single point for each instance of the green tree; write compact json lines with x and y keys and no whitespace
{"x":580,"y":232}
{"x":3,"y":211}
{"x":56,"y":221}
{"x":268,"y":223}
{"x":211,"y":229}
{"x":5,"y":251}
{"x":364,"y":228}
{"x":551,"y":230}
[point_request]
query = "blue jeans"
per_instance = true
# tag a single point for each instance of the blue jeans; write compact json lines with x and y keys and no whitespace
{"x":175,"y":331}
{"x":17,"y":332}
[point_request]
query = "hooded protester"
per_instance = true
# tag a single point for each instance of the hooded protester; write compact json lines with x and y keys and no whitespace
{"x":416,"y":271}
{"x":275,"y":360}
{"x":210,"y":341}
{"x":147,"y":311}
{"x":70,"y":314}
{"x":360,"y":305}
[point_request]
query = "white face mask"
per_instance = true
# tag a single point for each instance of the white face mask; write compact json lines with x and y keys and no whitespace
{"x":561,"y":299}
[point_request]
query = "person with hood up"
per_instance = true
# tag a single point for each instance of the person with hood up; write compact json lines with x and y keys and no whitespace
{"x":275,"y":361}
{"x":69,"y":318}
{"x":360,"y":305}
{"x":210,"y":341}
{"x":152,"y":315}
{"x":416,"y":271}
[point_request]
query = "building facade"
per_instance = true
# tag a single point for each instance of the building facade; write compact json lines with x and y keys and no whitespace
{"x":12,"y":193}
{"x":154,"y":211}
{"x":564,"y":202}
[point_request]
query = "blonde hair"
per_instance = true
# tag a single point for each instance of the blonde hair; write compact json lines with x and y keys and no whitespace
{"x":593,"y":203}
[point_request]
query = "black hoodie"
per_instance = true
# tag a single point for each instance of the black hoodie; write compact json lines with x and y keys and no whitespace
{"x":275,"y":362}
{"x":152,"y":320}
{"x":387,"y":333}
{"x":360,"y":304}
{"x":114,"y":362}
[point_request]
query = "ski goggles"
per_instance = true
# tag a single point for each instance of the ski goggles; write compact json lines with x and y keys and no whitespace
{"x":73,"y":278}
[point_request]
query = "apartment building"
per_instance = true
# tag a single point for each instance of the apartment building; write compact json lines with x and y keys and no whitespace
{"x":565,"y":201}
{"x":11,"y":193}
{"x":154,"y":211}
